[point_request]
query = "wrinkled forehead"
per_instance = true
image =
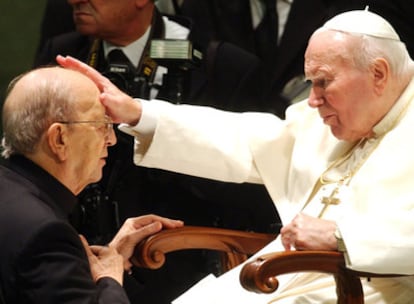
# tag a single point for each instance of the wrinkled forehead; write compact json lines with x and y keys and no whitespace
{"x":328,"y":48}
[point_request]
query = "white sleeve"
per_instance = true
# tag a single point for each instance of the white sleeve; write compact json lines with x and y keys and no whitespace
{"x":147,"y":123}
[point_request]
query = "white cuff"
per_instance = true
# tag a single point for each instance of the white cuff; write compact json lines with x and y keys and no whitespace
{"x":147,"y":123}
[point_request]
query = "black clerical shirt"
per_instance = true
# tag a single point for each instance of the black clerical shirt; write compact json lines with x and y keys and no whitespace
{"x":42,"y":257}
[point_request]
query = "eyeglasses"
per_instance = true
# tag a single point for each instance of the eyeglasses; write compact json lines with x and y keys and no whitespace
{"x":108,"y":125}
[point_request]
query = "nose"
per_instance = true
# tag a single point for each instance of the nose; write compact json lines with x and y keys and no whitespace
{"x":315,"y":99}
{"x":111,"y":138}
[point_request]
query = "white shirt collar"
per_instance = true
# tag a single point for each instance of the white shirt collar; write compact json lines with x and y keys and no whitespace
{"x":133,"y":50}
{"x":283,"y":9}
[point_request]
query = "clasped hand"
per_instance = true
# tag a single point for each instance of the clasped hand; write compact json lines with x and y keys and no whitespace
{"x":114,"y":259}
{"x":305,"y":232}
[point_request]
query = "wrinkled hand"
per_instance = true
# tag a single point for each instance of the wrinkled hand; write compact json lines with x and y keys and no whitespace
{"x":104,"y":262}
{"x":136,"y":229}
{"x":120,"y":106}
{"x":309,"y":233}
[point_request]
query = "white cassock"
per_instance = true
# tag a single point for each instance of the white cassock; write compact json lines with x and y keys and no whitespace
{"x":375,"y":215}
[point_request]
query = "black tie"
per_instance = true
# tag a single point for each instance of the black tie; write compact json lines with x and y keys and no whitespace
{"x":117,"y":56}
{"x":267,"y":32}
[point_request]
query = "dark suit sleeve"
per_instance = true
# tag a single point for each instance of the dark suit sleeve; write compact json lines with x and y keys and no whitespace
{"x":109,"y":292}
{"x":53,"y":268}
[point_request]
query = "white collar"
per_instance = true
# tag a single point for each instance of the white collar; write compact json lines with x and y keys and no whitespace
{"x":133,"y":50}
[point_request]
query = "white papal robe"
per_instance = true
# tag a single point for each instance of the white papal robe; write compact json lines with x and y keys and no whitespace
{"x":376,"y":213}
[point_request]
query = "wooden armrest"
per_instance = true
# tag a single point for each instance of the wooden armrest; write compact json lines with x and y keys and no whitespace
{"x":260,"y":275}
{"x":236,"y":245}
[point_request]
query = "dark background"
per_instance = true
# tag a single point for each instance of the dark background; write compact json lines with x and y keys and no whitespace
{"x":19,"y":34}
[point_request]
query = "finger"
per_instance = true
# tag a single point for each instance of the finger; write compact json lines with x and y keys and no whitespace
{"x":286,"y":242}
{"x":127,"y":266}
{"x":151,"y":218}
{"x":126,"y":244}
{"x":142,"y":221}
{"x":74,"y":64}
{"x":145,"y":231}
{"x":98,"y":250}
{"x":169,"y":223}
{"x":85,"y":244}
{"x":286,"y":245}
{"x":126,"y":248}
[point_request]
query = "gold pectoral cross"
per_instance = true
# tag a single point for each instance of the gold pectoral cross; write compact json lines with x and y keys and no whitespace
{"x":330,"y":200}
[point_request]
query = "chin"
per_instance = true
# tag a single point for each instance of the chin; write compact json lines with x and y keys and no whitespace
{"x":98,"y":178}
{"x":95,"y":177}
{"x":85,"y":29}
{"x":336,"y":132}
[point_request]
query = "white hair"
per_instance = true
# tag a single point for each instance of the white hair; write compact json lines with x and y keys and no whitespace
{"x":28,"y":114}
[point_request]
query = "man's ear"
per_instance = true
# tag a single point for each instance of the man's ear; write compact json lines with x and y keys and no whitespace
{"x":381,"y":71}
{"x":57,"y":140}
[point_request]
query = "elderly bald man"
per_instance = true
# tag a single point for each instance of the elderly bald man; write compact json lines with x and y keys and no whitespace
{"x":56,"y":135}
{"x":335,"y":168}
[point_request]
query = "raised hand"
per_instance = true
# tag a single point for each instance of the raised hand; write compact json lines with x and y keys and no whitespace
{"x":119,"y":106}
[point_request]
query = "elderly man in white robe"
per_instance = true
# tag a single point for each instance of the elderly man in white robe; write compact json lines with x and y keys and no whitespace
{"x":340,"y":167}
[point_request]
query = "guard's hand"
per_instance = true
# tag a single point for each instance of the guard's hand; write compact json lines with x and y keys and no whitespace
{"x":135,"y":230}
{"x":104,"y":262}
{"x":119,"y":106}
{"x":309,"y":233}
